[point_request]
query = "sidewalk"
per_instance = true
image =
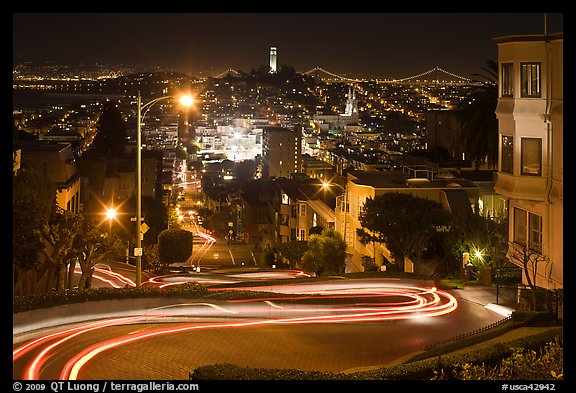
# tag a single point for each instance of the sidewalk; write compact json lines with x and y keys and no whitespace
{"x":500,"y":300}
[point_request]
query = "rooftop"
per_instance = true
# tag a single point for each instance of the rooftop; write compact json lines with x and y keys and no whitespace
{"x":398,"y":179}
{"x":529,"y":37}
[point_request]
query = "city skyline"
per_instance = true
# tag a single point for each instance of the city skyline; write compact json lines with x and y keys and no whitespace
{"x":387,"y":45}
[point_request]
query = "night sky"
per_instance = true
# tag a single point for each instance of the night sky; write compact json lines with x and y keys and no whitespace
{"x":377,"y":44}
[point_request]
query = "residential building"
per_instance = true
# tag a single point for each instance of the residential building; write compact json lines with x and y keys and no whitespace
{"x":302,"y":207}
{"x":455,"y":194}
{"x":277,"y":211}
{"x":281,"y":151}
{"x":530,"y":172}
{"x":57,"y":162}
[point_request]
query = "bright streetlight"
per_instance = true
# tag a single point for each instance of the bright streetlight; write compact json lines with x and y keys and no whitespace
{"x":185,"y":100}
{"x":111,"y":213}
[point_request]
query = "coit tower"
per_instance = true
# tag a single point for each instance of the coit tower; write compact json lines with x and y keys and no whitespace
{"x":272,"y":59}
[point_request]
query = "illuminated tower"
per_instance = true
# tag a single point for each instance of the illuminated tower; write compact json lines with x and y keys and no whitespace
{"x":272,"y":59}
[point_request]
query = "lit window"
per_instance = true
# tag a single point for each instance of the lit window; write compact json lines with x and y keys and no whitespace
{"x":531,"y":160}
{"x":530,"y":79}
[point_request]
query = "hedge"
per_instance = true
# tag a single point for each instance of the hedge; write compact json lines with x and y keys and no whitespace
{"x":46,"y":300}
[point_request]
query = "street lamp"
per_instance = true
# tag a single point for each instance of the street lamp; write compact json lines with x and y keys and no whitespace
{"x":185,"y":100}
{"x":110,"y":213}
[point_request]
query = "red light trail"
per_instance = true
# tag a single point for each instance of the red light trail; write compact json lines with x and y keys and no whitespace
{"x":325,"y":302}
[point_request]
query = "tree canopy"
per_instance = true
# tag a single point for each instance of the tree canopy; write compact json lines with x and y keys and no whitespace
{"x":174,"y":246}
{"x":403,"y":222}
{"x":110,"y":140}
{"x":293,"y":251}
{"x":326,"y":253}
{"x":33,"y":203}
{"x":477,"y":113}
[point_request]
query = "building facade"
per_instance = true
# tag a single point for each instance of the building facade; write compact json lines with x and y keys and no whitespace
{"x":57,"y":162}
{"x":454,"y":194}
{"x":281,"y":151}
{"x":530,"y":173}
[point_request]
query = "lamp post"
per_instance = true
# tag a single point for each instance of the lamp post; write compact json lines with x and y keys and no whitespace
{"x":185,"y":100}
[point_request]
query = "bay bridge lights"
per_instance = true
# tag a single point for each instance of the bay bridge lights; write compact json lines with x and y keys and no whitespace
{"x":429,"y":76}
{"x":317,"y":71}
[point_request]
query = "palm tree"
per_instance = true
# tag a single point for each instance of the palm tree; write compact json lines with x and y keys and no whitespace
{"x":478,"y":118}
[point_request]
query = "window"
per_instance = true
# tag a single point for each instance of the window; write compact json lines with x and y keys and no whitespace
{"x":507,"y":154}
{"x":293,"y":211}
{"x":302,"y":209}
{"x":530,"y":79}
{"x":520,"y":226}
{"x":361,"y":204}
{"x":535,"y":236}
{"x":528,"y":226}
{"x":531,"y":159}
{"x":507,"y":80}
{"x":302,"y":234}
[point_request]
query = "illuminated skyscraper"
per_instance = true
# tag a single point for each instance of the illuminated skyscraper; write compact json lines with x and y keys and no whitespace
{"x":272,"y":59}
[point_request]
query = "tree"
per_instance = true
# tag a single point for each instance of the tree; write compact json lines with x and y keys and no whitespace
{"x":315,"y":230}
{"x":326,"y":253}
{"x":174,"y":246}
{"x":90,"y":246}
{"x":529,"y":260}
{"x":33,"y":203}
{"x":403,"y":222}
{"x":293,"y":251}
{"x":110,"y":140}
{"x":58,"y":236}
{"x":476,"y":232}
{"x":477,"y":113}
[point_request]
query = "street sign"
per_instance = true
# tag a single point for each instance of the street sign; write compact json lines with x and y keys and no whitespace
{"x":144,"y":228}
{"x":138,"y":251}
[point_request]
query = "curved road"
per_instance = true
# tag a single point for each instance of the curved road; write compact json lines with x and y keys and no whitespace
{"x":328,"y":325}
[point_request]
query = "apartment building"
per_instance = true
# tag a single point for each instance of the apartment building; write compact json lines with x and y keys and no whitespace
{"x":530,"y":172}
{"x":281,"y":151}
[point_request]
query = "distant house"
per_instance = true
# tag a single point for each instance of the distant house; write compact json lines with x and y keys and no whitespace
{"x":57,"y":162}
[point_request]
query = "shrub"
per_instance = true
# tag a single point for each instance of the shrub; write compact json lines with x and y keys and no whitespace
{"x":523,"y":364}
